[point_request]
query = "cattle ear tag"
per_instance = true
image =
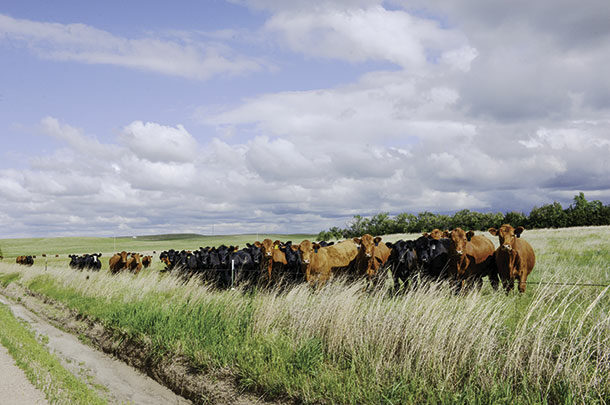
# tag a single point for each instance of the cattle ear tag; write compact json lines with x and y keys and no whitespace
{"x":315,"y":250}
{"x":276,"y":246}
{"x":376,"y":243}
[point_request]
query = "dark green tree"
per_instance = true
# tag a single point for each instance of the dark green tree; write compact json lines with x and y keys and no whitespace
{"x":515,"y":219}
{"x":548,"y":216}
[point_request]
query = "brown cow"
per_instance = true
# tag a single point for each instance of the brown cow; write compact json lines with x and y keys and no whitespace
{"x":273,"y":261}
{"x":371,"y":257}
{"x":471,"y":258}
{"x":515,"y":257}
{"x":134,"y":263}
{"x":146,"y":261}
{"x":118,"y":262}
{"x":326,"y":262}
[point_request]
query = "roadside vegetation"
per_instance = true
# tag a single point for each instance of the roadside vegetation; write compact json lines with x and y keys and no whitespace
{"x":43,"y":369}
{"x":343,"y":344}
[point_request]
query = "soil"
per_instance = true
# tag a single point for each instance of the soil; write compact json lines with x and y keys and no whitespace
{"x":168,"y":380}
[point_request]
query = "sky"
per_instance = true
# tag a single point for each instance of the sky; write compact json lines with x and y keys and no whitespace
{"x":260,"y":116}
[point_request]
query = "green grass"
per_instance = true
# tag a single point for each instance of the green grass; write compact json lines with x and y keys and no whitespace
{"x":42,"y":368}
{"x":343,"y":345}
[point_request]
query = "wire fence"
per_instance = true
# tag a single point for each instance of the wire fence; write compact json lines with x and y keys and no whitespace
{"x":568,"y":284}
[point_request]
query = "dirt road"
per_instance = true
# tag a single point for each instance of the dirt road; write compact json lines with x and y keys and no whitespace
{"x":122,"y":383}
{"x":15,"y":388}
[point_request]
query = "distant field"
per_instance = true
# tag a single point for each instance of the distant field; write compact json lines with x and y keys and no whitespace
{"x":345,"y":345}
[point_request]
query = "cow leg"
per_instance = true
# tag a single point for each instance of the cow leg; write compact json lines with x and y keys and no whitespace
{"x":522,"y":282}
{"x":508,"y":284}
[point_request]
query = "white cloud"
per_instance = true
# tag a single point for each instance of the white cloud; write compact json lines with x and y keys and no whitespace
{"x":369,"y":33}
{"x":159,"y":143}
{"x":83,"y":43}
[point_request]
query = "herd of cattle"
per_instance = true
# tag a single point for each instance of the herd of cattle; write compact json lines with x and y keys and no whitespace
{"x":456,"y":256}
{"x":461,"y":258}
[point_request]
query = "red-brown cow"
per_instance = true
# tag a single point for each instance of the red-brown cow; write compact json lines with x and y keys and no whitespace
{"x":322,"y":263}
{"x":118,"y":262}
{"x":146,"y":261}
{"x":134,"y":263}
{"x":515,"y":257}
{"x":471,"y":258}
{"x":273,"y":261}
{"x":371,"y":257}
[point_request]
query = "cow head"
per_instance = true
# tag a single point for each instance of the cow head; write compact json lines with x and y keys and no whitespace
{"x":434,"y":234}
{"x":507,"y":235}
{"x":459,"y":240}
{"x":307,"y":250}
{"x":292,"y":253}
{"x":367,"y":244}
{"x":422,"y":249}
{"x":267,"y":248}
{"x":256,"y":252}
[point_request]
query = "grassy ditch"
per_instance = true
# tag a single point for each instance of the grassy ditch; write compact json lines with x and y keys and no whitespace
{"x":342,"y":345}
{"x":43,"y":369}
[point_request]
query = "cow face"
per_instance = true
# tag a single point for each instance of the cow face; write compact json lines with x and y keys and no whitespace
{"x":434,"y":234}
{"x":307,"y":250}
{"x":293,"y":255}
{"x":267,"y":248}
{"x":256,"y":253}
{"x":459,"y":240}
{"x":422,"y":249}
{"x":507,"y":236}
{"x":367,"y":244}
{"x":403,"y":253}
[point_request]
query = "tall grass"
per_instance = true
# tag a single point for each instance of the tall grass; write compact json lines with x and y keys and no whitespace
{"x":342,"y":344}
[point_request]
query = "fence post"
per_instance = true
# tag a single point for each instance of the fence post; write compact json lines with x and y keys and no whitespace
{"x":232,"y":273}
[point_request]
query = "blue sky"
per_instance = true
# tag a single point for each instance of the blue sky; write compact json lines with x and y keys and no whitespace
{"x":266,"y":115}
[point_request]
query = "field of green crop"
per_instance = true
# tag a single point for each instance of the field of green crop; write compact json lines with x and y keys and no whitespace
{"x":342,"y":344}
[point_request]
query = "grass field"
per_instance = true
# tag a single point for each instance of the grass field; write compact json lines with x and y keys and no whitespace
{"x":344,"y":345}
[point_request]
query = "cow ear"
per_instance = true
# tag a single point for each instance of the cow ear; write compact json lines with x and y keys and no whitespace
{"x":277,"y":242}
{"x":493,"y":231}
{"x":315,"y":247}
{"x":377,"y":240}
{"x":257,"y":244}
{"x":357,"y":241}
{"x":446,"y":233}
{"x":469,"y":235}
{"x":426,"y":234}
{"x":389,"y":244}
{"x":519,"y":230}
{"x":295,"y":247}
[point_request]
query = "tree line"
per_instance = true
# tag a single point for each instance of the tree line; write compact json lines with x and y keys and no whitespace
{"x":580,"y":213}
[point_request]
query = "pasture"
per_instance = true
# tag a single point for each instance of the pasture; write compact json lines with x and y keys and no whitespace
{"x":342,"y":344}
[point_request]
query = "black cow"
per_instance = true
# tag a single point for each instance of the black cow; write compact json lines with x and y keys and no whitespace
{"x":292,"y":270}
{"x":86,"y":261}
{"x":402,"y":261}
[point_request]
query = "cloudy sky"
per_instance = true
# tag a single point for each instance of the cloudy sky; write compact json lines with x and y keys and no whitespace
{"x":292,"y":116}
